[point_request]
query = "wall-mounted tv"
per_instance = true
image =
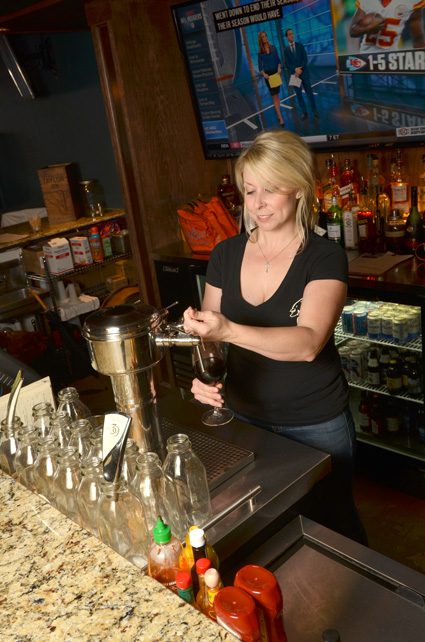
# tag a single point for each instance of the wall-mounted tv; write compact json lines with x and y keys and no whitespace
{"x":362,"y":78}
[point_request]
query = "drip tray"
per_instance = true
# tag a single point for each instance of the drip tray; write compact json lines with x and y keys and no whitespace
{"x":220,"y":458}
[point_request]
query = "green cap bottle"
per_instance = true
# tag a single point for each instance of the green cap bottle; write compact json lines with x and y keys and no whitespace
{"x":161,"y":532}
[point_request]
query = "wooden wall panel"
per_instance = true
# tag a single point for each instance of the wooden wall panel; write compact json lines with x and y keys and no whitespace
{"x":153,"y":93}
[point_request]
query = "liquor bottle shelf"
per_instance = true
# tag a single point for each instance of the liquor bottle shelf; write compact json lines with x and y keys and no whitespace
{"x":383,"y":390}
{"x":341,"y":336}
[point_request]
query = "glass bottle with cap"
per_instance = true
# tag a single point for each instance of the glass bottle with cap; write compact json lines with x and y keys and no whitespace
{"x":199,"y":551}
{"x":69,"y":401}
{"x":189,"y":476}
{"x":163,"y":555}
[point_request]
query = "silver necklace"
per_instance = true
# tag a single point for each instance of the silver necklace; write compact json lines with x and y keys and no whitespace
{"x":268,"y":262}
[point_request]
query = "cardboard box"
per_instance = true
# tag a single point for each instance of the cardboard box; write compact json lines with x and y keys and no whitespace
{"x":32,"y":256}
{"x":58,"y":256}
{"x":81,"y":252}
{"x":61,"y":192}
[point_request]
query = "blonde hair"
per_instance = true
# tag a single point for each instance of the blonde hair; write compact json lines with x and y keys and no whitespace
{"x":281,"y":159}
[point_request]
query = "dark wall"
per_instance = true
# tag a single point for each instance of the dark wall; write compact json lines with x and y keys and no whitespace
{"x":66,"y":121}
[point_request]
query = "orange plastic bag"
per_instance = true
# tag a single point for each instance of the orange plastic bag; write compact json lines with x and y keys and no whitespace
{"x":206,"y":224}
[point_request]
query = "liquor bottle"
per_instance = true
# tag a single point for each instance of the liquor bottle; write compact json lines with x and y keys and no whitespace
{"x":321,"y":219}
{"x":399,"y":186}
{"x":394,"y":232}
{"x":366,"y":220}
{"x":334,"y":222}
{"x":414,"y":231}
{"x":384,"y":362}
{"x":347,"y":183}
{"x":349,"y":223}
{"x":377,"y":423}
{"x":373,"y":370}
{"x":394,"y":377}
{"x":421,"y":188}
{"x":364,"y":413}
{"x":228,"y":193}
{"x":331,"y":188}
{"x":392,"y":416}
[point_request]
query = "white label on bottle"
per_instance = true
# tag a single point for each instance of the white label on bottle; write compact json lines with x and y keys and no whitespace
{"x":399,"y":194}
{"x":363,"y":230}
{"x":334,"y":232}
{"x":350,"y":229}
{"x":373,"y":378}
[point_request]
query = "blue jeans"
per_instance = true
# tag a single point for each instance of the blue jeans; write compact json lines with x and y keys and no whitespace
{"x":332,"y":502}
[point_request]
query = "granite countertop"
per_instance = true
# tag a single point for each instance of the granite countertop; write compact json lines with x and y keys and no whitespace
{"x":59,"y":583}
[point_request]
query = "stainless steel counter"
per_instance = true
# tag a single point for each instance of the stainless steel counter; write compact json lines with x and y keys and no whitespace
{"x":281,"y":473}
{"x":330,"y":582}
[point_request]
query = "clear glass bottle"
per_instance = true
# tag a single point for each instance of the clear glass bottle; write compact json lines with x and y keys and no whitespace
{"x":157,"y":493}
{"x":80,"y":437}
{"x":88,"y":494}
{"x":189,"y":476}
{"x":69,"y":401}
{"x":163,"y":555}
{"x":96,"y":447}
{"x":65,"y":482}
{"x":131,"y":454}
{"x":42,"y":413}
{"x":121,"y":522}
{"x":45,"y":467}
{"x":9,"y":447}
{"x":26,"y":456}
{"x":60,"y":428}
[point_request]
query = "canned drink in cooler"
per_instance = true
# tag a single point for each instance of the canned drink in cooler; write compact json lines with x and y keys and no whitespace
{"x":374,"y":324}
{"x":357,"y":370}
{"x":413,"y":324}
{"x":347,"y":318}
{"x":360,"y":322}
{"x":344,"y":353}
{"x":400,"y":329}
{"x":387,"y":326}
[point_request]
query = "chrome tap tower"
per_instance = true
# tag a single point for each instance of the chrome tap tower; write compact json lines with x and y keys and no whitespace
{"x":125,"y":343}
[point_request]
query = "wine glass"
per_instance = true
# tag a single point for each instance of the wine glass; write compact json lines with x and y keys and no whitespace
{"x":209,"y":363}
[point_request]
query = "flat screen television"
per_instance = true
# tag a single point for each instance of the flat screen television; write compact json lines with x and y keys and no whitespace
{"x":368,"y":89}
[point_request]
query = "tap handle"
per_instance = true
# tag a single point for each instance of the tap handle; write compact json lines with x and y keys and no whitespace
{"x":115,"y":432}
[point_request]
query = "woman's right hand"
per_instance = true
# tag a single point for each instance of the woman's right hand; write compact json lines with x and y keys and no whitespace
{"x":208,"y":394}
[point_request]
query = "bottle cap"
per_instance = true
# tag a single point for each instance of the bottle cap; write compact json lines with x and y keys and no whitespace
{"x":183,"y":580}
{"x":197,"y":537}
{"x":94,"y":230}
{"x":161,"y":532}
{"x":202,"y":565}
{"x":212,"y":578}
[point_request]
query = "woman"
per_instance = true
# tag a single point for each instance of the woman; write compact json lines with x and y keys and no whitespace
{"x":269,"y":64}
{"x":275,"y":295}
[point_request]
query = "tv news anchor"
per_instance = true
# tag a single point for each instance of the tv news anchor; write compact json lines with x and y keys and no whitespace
{"x":296,"y":62}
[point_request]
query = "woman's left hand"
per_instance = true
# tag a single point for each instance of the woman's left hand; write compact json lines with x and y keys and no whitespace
{"x":212,"y":326}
